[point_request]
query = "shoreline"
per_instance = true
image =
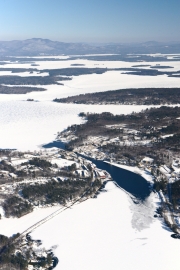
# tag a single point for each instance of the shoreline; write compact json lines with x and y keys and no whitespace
{"x":136,"y":170}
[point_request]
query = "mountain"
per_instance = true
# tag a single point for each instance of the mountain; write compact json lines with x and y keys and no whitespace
{"x":38,"y":46}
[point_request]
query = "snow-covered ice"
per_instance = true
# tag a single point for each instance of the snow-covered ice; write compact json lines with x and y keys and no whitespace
{"x":65,"y":63}
{"x":28,"y":125}
{"x":10,"y":226}
{"x":109,"y":232}
{"x":23,"y":74}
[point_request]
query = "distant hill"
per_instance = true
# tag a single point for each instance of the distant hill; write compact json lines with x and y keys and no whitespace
{"x":38,"y":46}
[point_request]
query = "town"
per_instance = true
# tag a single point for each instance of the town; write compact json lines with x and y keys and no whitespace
{"x":39,"y":179}
{"x":147,"y":141}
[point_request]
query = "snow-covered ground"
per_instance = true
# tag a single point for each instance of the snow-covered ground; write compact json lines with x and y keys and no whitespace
{"x":9,"y":226}
{"x":109,"y":232}
{"x":23,"y":74}
{"x":27,"y":125}
{"x":65,"y":63}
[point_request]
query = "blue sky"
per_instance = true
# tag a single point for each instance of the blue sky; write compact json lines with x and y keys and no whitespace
{"x":91,"y":20}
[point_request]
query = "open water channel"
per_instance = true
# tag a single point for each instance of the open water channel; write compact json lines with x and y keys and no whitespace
{"x":133,"y":183}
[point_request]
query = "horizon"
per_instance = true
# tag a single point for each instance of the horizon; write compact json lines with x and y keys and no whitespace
{"x":90,"y":134}
{"x":94,"y":43}
{"x":91,"y":22}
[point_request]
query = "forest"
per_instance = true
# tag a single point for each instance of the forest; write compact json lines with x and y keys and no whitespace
{"x":151,"y":124}
{"x":57,"y":192}
{"x":138,"y":96}
{"x":18,"y":89}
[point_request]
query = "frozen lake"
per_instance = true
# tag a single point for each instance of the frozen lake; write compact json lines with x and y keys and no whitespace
{"x":110,"y":232}
{"x":27,"y":125}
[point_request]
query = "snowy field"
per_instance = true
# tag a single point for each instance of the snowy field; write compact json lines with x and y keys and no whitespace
{"x":110,"y":232}
{"x":27,"y":125}
{"x":65,"y":63}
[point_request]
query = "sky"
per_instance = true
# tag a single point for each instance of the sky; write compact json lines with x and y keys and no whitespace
{"x":96,"y":21}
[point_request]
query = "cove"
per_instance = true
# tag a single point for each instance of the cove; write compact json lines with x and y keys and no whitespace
{"x":131,"y":182}
{"x":57,"y":144}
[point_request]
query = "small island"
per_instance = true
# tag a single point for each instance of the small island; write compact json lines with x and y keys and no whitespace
{"x":19,"y":89}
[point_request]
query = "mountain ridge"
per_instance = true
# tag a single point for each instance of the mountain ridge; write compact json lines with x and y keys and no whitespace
{"x":39,"y":46}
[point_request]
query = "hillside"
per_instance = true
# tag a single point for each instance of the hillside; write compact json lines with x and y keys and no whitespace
{"x":38,"y":46}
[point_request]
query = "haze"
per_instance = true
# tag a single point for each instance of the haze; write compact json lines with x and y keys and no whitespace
{"x":94,"y":21}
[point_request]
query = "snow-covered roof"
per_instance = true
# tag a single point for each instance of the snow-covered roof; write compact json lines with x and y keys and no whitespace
{"x":147,"y":159}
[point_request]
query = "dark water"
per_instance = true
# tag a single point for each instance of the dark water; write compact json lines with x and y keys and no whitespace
{"x":129,"y":181}
{"x":57,"y":144}
{"x":55,"y":263}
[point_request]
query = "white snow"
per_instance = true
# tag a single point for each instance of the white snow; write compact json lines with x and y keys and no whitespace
{"x":148,"y":160}
{"x":166,"y":136}
{"x":63,"y":162}
{"x":28,"y":125}
{"x":16,"y":162}
{"x":110,"y":232}
{"x":65,"y":63}
{"x":23,"y":74}
{"x":113,"y":80}
{"x":113,"y":233}
{"x":1,"y":211}
{"x":10,"y":226}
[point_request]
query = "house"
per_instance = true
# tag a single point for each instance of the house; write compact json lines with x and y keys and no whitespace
{"x":147,"y":161}
{"x":101,"y":175}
